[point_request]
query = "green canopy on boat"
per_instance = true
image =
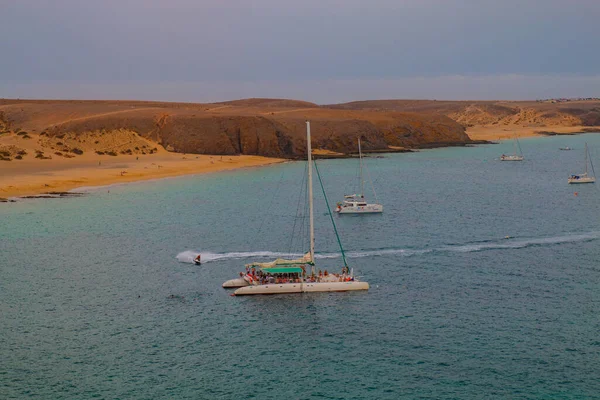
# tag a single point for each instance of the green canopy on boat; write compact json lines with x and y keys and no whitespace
{"x":282,"y":270}
{"x":281,"y":266}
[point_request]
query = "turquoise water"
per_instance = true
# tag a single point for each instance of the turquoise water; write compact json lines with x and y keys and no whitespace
{"x":98,"y":297}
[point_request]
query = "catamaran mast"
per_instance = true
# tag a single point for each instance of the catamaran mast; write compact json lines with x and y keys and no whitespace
{"x":586,"y":153}
{"x":362,"y":182}
{"x":310,"y":197}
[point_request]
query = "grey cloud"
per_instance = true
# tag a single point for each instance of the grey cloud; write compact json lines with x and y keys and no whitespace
{"x":236,"y":41}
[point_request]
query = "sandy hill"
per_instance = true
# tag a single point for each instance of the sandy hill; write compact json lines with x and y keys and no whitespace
{"x":493,"y":118}
{"x":270,"y":103}
{"x":268,"y":127}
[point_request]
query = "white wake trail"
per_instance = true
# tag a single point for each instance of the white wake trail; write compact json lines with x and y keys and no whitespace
{"x":510,"y":243}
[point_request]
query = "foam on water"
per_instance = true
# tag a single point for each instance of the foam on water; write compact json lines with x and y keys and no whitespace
{"x":482,"y":245}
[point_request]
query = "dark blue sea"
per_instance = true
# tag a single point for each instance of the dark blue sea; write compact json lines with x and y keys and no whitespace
{"x":484,"y":275}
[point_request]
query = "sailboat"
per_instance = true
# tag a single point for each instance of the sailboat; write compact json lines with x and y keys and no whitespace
{"x":283,"y":276}
{"x":515,"y":156}
{"x":356,"y":203}
{"x":584,"y":178}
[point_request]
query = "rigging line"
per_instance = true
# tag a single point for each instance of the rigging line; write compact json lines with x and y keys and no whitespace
{"x":305,"y":232}
{"x":300,"y":246}
{"x":519,"y":144}
{"x":275,"y":192}
{"x":297,"y":216}
{"x":357,"y":188}
{"x":590,"y":158}
{"x":353,"y":188}
{"x":330,"y":215}
{"x":371,"y":182}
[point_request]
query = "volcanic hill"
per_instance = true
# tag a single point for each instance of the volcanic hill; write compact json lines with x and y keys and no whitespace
{"x":267,"y":127}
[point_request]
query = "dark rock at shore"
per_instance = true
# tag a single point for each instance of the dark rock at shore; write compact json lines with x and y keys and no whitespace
{"x":53,"y":195}
{"x":551,"y":133}
{"x":67,"y":194}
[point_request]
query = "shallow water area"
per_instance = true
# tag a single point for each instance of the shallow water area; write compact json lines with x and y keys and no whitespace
{"x":484,"y":283}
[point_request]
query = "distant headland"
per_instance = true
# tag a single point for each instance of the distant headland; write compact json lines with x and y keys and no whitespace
{"x":56,"y":145}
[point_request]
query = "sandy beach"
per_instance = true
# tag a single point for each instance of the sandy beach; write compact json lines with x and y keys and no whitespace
{"x":34,"y":163}
{"x":36,"y":176}
{"x":495,"y":132}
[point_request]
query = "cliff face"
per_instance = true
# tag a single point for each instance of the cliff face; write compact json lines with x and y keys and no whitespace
{"x":267,"y":127}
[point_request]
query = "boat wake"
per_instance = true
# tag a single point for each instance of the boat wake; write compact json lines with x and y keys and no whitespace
{"x":484,"y":245}
{"x":189,"y":255}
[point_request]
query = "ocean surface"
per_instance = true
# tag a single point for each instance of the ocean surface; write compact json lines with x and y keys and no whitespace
{"x":484,"y":275}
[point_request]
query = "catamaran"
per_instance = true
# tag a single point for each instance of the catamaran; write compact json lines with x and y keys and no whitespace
{"x":515,"y":156}
{"x":283,"y":276}
{"x":584,"y":178}
{"x":356,"y":203}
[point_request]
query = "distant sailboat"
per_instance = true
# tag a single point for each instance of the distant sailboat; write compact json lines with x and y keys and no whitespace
{"x":515,"y":156}
{"x":584,"y":178}
{"x":356,"y":203}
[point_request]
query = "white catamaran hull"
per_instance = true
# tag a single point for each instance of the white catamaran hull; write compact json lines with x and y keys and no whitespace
{"x":235,"y":283}
{"x":588,"y":179}
{"x":369,"y":208}
{"x":287,"y":288}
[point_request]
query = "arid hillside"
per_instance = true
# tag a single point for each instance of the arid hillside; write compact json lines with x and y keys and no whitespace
{"x":267,"y":127}
{"x":496,"y":117}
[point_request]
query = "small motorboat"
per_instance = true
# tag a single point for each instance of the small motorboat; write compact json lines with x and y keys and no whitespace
{"x":197,"y":260}
{"x":566,"y":148}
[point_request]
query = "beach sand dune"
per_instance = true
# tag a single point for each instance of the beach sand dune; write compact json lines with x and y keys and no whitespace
{"x":50,"y":165}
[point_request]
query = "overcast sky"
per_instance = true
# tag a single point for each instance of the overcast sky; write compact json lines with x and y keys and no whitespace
{"x":317,"y":50}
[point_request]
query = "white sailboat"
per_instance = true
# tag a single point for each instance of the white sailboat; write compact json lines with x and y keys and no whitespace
{"x":356,"y":203}
{"x":584,"y":178}
{"x":291,"y":276}
{"x":515,"y":156}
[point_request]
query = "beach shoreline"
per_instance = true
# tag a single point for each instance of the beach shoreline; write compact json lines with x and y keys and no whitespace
{"x":495,"y":132}
{"x":37,"y":177}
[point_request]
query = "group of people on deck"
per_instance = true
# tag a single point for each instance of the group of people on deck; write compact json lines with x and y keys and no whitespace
{"x":260,"y":277}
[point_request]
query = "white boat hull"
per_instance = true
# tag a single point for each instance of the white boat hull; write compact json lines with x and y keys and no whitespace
{"x":369,"y":208}
{"x":582,"y":180}
{"x":235,"y":283}
{"x":511,"y":158}
{"x":288,"y":288}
